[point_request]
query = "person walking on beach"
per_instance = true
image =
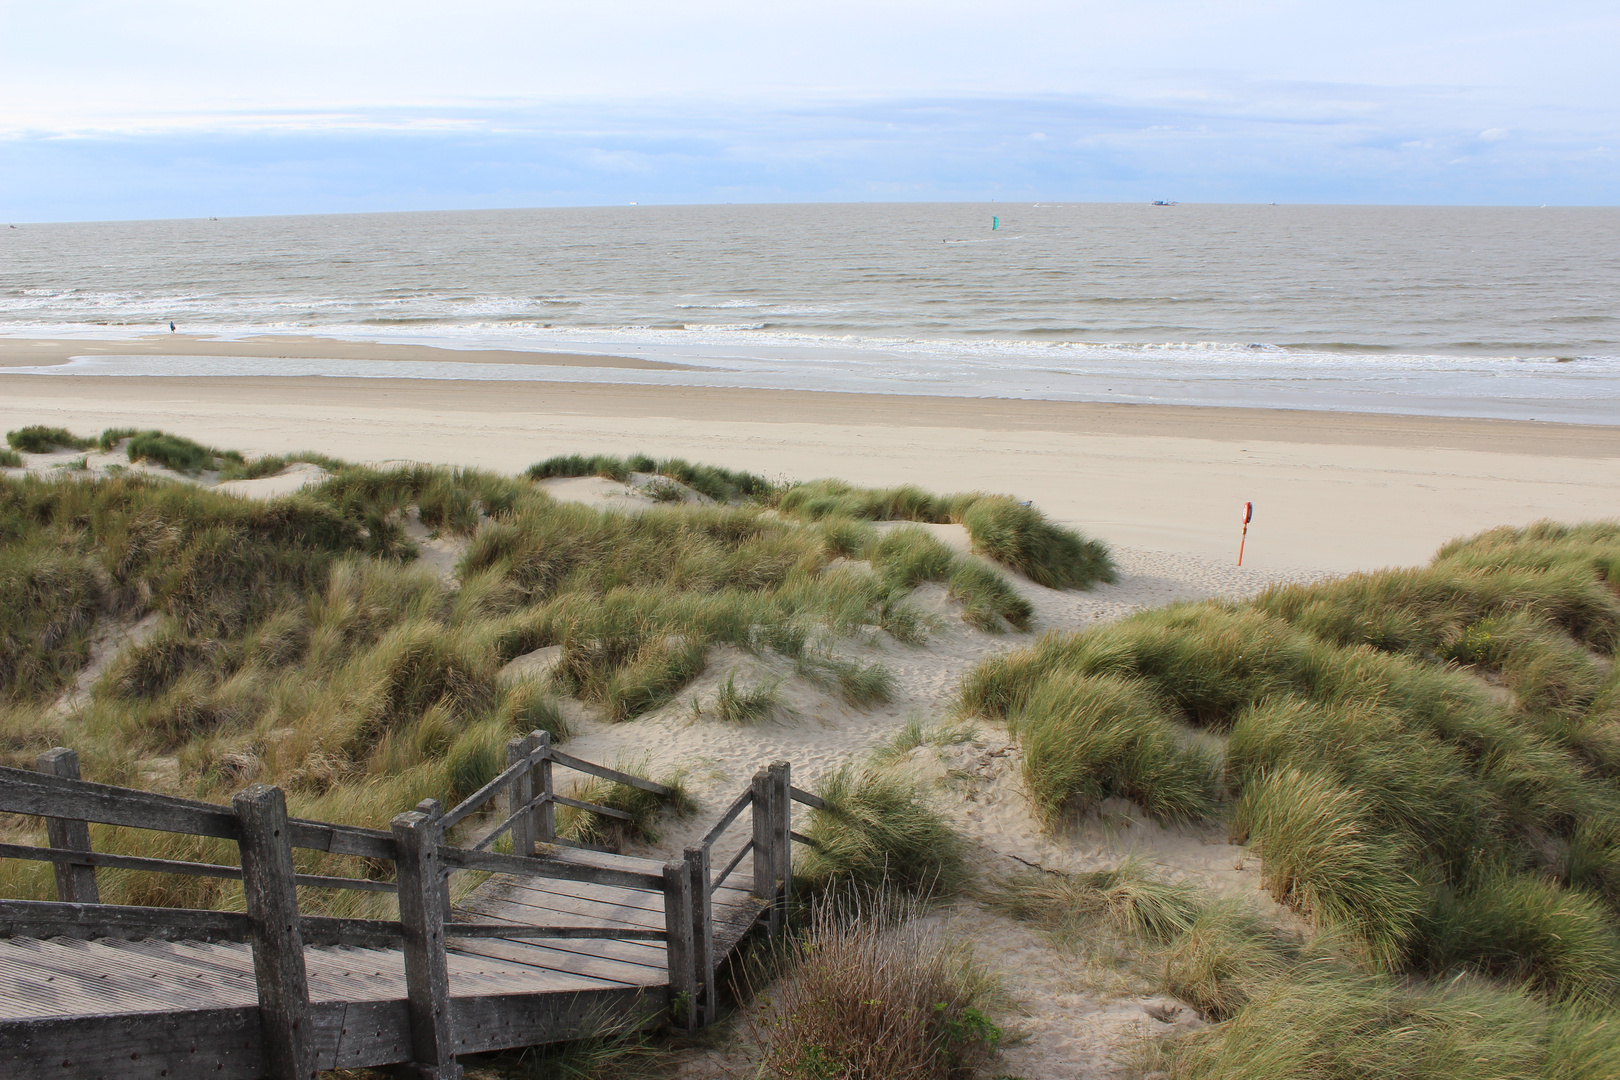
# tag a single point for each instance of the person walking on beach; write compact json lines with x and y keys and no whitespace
{"x":171,"y":326}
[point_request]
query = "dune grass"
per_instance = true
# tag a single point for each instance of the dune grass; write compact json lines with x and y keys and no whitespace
{"x":1422,"y":759}
{"x":39,"y":439}
{"x":721,"y":485}
{"x":10,"y":459}
{"x":1002,"y":529}
{"x":874,"y":989}
{"x":878,"y":832}
{"x":734,"y":705}
{"x":297,"y":642}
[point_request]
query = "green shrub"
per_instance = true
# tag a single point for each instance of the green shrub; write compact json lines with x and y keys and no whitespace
{"x":10,"y":459}
{"x":39,"y":439}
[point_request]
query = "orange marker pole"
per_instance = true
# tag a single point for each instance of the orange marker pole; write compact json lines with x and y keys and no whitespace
{"x":1248,"y":516}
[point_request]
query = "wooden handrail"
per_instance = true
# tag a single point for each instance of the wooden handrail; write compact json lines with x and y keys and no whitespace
{"x":557,"y":868}
{"x":472,"y":803}
{"x":663,"y":791}
{"x":731,"y":866}
{"x":178,"y":866}
{"x":815,"y":802}
{"x":741,"y":803}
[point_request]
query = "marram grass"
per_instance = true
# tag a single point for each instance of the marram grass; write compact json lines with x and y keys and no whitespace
{"x":1424,"y":760}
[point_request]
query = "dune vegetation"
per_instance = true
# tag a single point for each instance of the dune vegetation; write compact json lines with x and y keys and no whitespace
{"x":1426,"y":762}
{"x":300,"y":640}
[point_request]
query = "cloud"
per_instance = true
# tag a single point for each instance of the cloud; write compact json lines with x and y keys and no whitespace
{"x":1238,"y":143}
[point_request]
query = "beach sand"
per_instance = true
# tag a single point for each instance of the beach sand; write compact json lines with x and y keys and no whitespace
{"x":1332,"y":491}
{"x":1164,"y":486}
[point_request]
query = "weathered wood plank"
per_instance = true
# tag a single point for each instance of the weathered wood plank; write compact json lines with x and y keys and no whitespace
{"x":178,"y":866}
{"x":814,"y":801}
{"x":738,"y":805}
{"x":271,"y":899}
{"x":570,"y":933}
{"x":580,"y":765}
{"x":706,"y":999}
{"x":561,"y":866}
{"x":495,"y":1023}
{"x":221,"y":1043}
{"x":473,"y":803}
{"x":543,"y":908}
{"x":342,"y":839}
{"x":56,"y":981}
{"x":781,"y":773}
{"x":418,"y":846}
{"x":560,"y":959}
{"x":595,"y":808}
{"x":680,"y":948}
{"x":519,"y":796}
{"x":44,"y":918}
{"x":23,"y":792}
{"x":566,"y":953}
{"x":545,"y":815}
{"x":75,"y":879}
{"x":765,"y":831}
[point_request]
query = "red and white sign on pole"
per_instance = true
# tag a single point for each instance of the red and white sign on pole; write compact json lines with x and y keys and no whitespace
{"x":1248,"y":516}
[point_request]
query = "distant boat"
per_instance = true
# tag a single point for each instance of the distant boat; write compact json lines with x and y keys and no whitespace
{"x":1163,"y":202}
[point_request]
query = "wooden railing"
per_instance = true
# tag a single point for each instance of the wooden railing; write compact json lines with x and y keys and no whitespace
{"x":266,"y":837}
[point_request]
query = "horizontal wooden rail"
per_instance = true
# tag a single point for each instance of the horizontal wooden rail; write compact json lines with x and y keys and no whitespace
{"x":732,"y":865}
{"x":572,"y":933}
{"x":26,"y":792}
{"x":734,"y":811}
{"x":46,"y":919}
{"x":605,"y":811}
{"x":808,"y":841}
{"x":179,"y":866}
{"x":815,"y":802}
{"x":455,"y":858}
{"x":472,"y":803}
{"x":580,"y":765}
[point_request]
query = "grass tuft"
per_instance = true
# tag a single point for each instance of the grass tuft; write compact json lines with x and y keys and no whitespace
{"x":878,"y":831}
{"x":39,"y":439}
{"x":874,"y":989}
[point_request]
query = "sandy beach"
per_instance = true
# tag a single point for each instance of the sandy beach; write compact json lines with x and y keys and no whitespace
{"x":1332,"y":491}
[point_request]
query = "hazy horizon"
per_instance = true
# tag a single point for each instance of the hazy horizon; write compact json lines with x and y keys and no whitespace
{"x":182,"y":109}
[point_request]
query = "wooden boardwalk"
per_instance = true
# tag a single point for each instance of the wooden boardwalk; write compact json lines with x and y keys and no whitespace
{"x":560,"y":943}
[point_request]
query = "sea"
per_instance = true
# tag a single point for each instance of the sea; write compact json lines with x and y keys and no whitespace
{"x":1444,"y":311}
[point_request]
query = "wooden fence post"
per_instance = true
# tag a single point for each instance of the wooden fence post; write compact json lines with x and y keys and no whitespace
{"x":545,"y":820}
{"x":782,"y":791}
{"x":75,"y":882}
{"x":680,"y":949}
{"x":422,"y":911}
{"x":519,"y":793}
{"x":278,"y":947}
{"x":766,"y":862}
{"x":697,"y":868}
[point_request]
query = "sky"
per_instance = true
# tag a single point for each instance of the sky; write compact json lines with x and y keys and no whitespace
{"x":196,"y":108}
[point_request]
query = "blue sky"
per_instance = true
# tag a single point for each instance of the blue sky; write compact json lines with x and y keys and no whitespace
{"x":175,"y":108}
